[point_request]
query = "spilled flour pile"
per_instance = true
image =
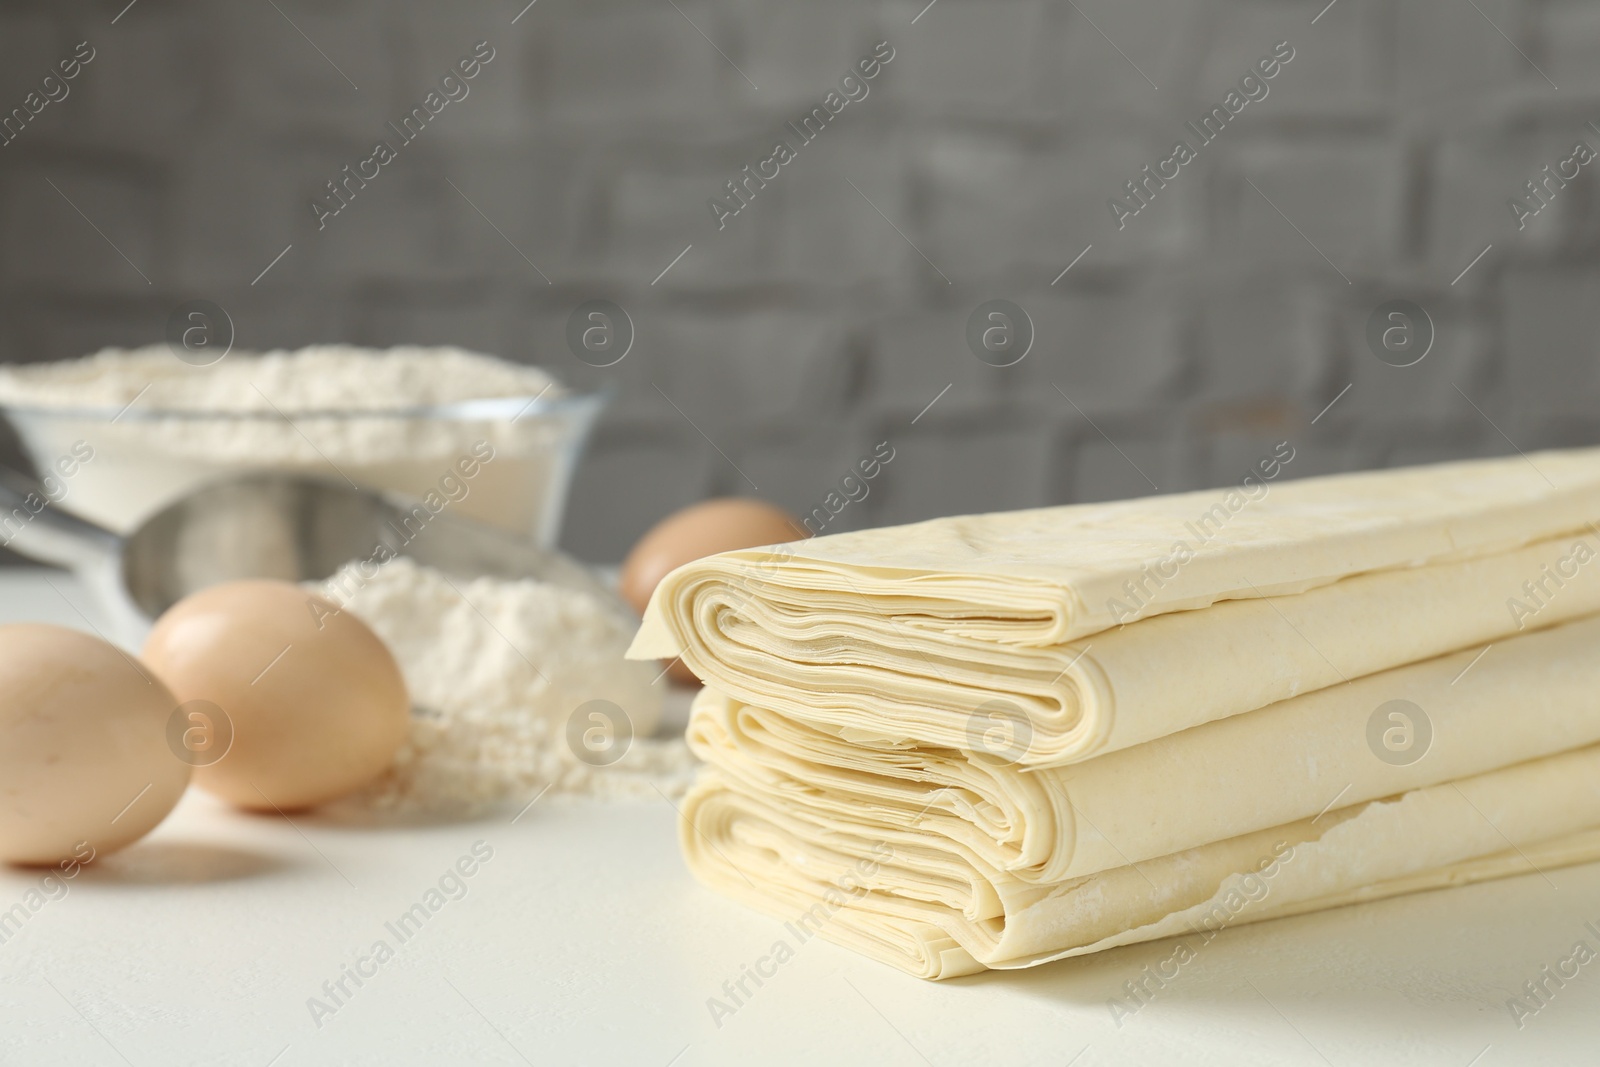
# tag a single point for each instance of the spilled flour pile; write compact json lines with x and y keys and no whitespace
{"x":498,"y":670}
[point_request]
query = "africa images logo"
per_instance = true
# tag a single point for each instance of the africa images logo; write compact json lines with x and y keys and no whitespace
{"x":853,"y":85}
{"x":1252,"y":87}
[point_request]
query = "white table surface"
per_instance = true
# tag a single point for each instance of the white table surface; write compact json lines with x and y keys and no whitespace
{"x":583,"y":940}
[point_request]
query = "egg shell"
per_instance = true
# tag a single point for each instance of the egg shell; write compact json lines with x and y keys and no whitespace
{"x":315,"y":702}
{"x":84,"y":763}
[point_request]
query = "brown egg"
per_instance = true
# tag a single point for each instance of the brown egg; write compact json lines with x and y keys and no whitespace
{"x":695,"y":532}
{"x":84,"y":763}
{"x":308,"y":701}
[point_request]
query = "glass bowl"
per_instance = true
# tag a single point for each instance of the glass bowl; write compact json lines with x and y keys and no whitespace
{"x":505,"y":461}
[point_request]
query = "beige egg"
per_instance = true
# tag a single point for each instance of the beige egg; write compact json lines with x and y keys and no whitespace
{"x":695,"y":532}
{"x":309,"y":701}
{"x":84,"y":763}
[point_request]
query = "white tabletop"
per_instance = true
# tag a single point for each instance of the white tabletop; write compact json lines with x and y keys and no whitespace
{"x":582,"y":939}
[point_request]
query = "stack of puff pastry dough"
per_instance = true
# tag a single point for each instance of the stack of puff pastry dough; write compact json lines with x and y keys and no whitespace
{"x":993,"y":741}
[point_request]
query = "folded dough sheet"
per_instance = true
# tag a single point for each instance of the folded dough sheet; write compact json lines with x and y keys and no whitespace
{"x":1529,"y":696}
{"x":1189,"y":693}
{"x":824,"y":878}
{"x":1078,"y":621}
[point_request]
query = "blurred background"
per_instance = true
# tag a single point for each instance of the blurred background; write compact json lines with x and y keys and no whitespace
{"x":832,"y":311}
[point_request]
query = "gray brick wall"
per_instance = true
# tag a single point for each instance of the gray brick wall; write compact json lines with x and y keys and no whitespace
{"x":827,"y":315}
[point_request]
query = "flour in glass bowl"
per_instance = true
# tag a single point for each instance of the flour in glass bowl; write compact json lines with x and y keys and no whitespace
{"x":317,"y":378}
{"x":338,"y":411}
{"x":496,"y":670}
